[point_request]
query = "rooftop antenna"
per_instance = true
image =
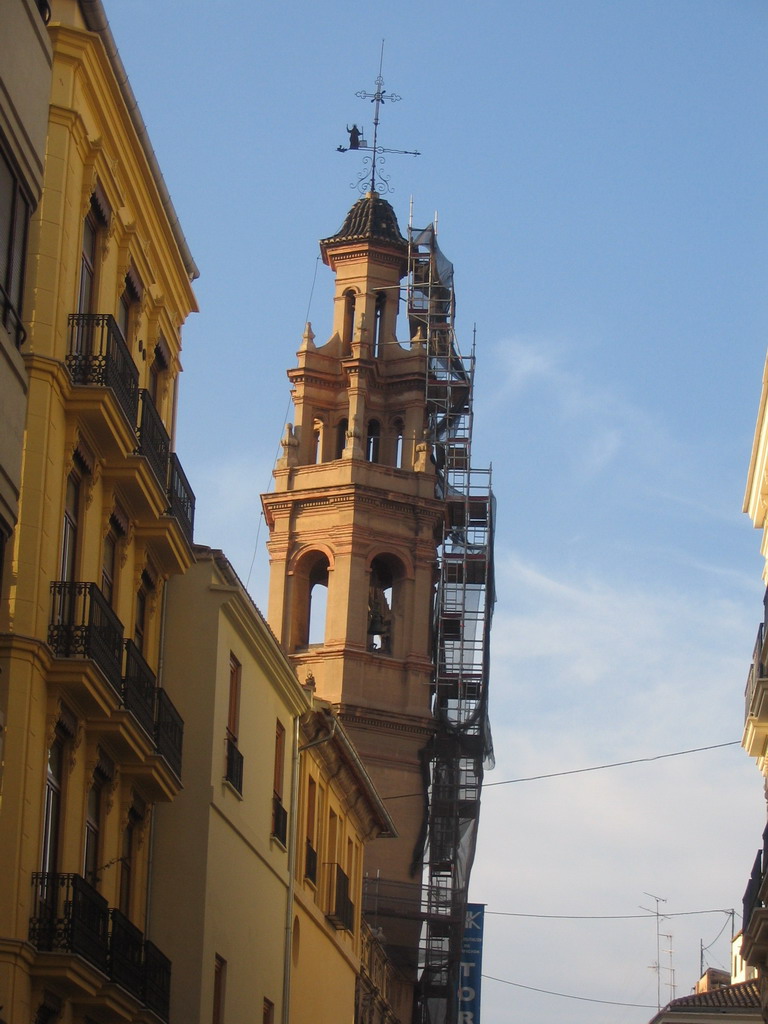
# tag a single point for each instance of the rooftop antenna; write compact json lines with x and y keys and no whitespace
{"x":377,"y":182}
{"x":657,"y":965}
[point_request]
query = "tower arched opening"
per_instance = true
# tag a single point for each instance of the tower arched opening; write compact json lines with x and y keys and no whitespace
{"x":373,"y":441}
{"x":309,"y":600}
{"x":386,"y":574}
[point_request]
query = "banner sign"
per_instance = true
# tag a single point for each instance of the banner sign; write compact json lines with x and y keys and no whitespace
{"x":471,"y":965}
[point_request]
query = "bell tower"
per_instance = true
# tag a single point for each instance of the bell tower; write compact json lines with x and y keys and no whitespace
{"x":354,"y":524}
{"x":381,"y":579}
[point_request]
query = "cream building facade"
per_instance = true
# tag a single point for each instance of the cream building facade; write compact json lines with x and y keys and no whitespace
{"x":92,"y":740}
{"x":270,"y":827}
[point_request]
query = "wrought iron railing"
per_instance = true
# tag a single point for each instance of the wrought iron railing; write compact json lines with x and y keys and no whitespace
{"x":751,"y":900}
{"x":310,"y":863}
{"x":234,"y":774}
{"x":279,"y":820}
{"x":169,"y":731}
{"x":70,"y":916}
{"x":83,"y":625}
{"x":181,"y":498}
{"x":341,"y":909}
{"x":157,"y":980}
{"x":756,"y":671}
{"x":126,"y":954}
{"x":99,"y":355}
{"x":139,"y":686}
{"x":154,"y":442}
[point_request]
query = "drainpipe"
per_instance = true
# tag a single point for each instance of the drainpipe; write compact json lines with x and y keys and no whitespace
{"x":292,"y":825}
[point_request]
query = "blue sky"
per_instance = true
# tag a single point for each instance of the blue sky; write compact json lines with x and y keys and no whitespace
{"x":598,"y":170}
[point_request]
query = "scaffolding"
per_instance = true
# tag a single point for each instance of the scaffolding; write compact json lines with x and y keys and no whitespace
{"x":461,"y":744}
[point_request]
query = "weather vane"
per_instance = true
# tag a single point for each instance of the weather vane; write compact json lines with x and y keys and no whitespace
{"x":377,"y":182}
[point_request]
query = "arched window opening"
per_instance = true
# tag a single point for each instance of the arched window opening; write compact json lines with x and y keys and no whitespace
{"x":373,"y":441}
{"x":377,"y":323}
{"x":348,"y":328}
{"x":398,"y":429}
{"x":381,"y":597}
{"x":317,"y":442}
{"x":318,"y":603}
{"x":309,"y":601}
{"x":341,"y":438}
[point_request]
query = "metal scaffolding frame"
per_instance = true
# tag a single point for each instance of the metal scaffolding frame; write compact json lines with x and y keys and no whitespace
{"x":461,"y":745}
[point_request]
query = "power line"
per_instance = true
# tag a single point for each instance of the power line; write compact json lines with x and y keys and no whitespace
{"x":607,"y":917}
{"x":579,"y":771}
{"x":613,"y":764}
{"x":565,"y":995}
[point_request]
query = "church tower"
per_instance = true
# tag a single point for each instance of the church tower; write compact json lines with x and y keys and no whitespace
{"x":354,"y":522}
{"x":381,"y":585}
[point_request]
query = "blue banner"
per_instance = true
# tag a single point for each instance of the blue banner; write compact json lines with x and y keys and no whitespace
{"x":471,"y":964}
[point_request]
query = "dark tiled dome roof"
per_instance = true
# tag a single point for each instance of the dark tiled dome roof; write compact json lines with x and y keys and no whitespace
{"x":371,"y":219}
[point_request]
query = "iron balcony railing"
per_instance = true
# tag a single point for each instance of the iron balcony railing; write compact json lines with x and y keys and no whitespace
{"x":154,"y":442}
{"x":157,"y":980}
{"x":139,"y":686}
{"x":70,"y":916}
{"x":181,"y":498}
{"x":279,"y":820}
{"x":341,"y":909}
{"x":234,"y":774}
{"x":126,"y":954}
{"x":83,"y":625}
{"x":752,"y":901}
{"x":310,"y":863}
{"x":10,"y":319}
{"x":756,"y":671}
{"x":169,"y":731}
{"x":98,"y":354}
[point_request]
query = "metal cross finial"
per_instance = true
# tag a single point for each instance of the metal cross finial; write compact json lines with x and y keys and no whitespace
{"x":356,"y":140}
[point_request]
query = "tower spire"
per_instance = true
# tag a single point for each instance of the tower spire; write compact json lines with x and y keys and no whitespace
{"x":377,"y":182}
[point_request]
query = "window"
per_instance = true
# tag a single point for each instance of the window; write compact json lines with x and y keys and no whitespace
{"x":373,"y":441}
{"x":52,"y":807}
{"x":310,"y":857}
{"x":341,"y":437}
{"x":279,"y":813}
{"x":70,"y":530}
{"x":233,"y":714}
{"x":380,"y":605}
{"x":349,"y":320}
{"x":142,"y":612}
{"x":219,"y":989}
{"x":398,"y":429}
{"x":128,"y":848}
{"x":234,"y":770}
{"x":279,"y":759}
{"x":128,"y":306}
{"x":378,"y":321}
{"x":157,"y":369}
{"x":109,"y":561}
{"x":15,"y":209}
{"x":92,"y":833}
{"x":86,"y":291}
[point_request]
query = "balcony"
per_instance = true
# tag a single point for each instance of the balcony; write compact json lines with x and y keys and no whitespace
{"x":84,"y":626}
{"x":234,"y":775}
{"x":139,"y":686}
{"x":279,"y":820}
{"x":71,"y":917}
{"x":755,"y":911}
{"x":181,"y":498}
{"x":154,"y":442}
{"x":756,"y":700}
{"x":342,"y":910}
{"x":169,"y":731}
{"x":98,"y":355}
{"x":310,"y":863}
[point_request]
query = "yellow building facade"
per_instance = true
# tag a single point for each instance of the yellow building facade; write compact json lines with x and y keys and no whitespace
{"x":92,"y":739}
{"x":270,"y":827}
